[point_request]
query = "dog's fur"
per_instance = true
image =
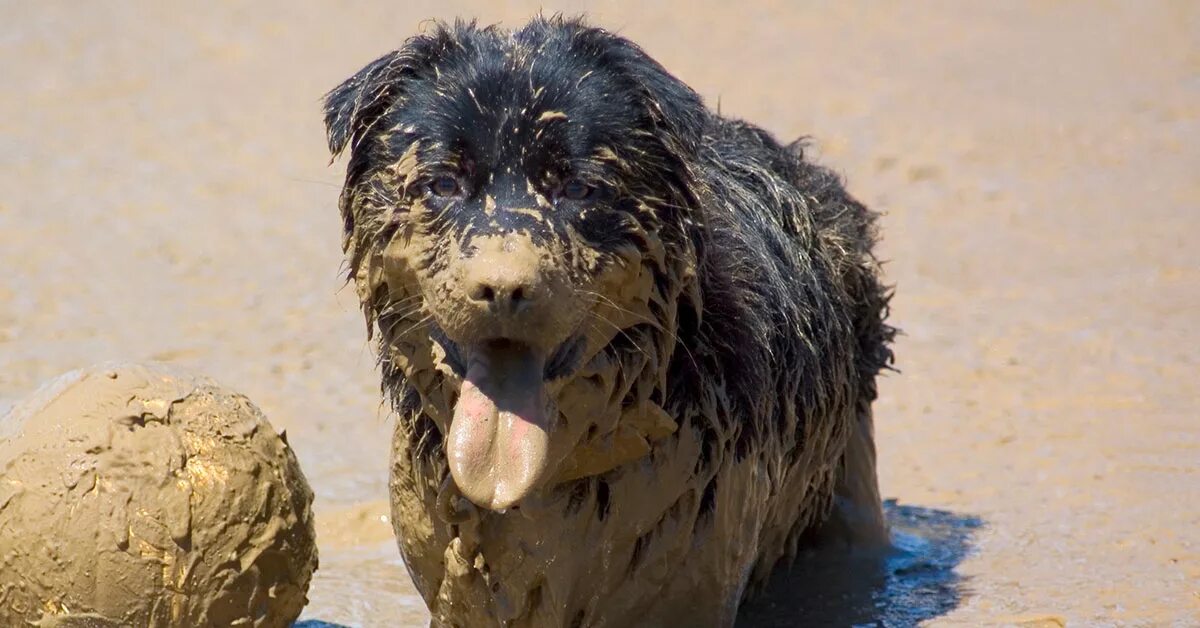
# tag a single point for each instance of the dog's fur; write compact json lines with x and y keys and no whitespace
{"x":711,"y":363}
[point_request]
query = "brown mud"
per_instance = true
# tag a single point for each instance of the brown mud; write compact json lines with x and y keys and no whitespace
{"x":140,"y":496}
{"x":164,"y":195}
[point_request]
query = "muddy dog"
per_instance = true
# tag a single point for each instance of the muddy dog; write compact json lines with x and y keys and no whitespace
{"x":631,"y":345}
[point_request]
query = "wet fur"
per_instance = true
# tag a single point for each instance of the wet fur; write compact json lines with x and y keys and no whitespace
{"x":760,"y":331}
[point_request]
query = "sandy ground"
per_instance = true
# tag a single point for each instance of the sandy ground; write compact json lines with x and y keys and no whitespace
{"x":165,"y":195}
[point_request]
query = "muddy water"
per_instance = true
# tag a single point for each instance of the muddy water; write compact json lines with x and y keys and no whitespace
{"x":164,"y":195}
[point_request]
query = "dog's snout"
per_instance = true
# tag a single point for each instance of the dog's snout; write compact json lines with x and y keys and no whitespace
{"x":505,"y":282}
{"x":504,"y":294}
{"x":507,"y":287}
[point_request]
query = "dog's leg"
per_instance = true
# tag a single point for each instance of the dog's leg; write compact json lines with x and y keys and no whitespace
{"x":857,"y":516}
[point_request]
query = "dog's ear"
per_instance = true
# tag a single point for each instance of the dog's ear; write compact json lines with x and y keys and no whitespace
{"x":671,"y":104}
{"x":352,"y":107}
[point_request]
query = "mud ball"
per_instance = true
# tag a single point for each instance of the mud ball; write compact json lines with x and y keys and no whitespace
{"x":137,"y":495}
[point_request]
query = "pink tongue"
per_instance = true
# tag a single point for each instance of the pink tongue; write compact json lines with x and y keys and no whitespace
{"x":498,"y":436}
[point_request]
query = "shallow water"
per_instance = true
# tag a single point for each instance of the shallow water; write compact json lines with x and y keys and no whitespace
{"x":912,"y":582}
{"x":165,"y":194}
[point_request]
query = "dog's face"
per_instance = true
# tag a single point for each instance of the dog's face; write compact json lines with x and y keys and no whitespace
{"x":515,"y":204}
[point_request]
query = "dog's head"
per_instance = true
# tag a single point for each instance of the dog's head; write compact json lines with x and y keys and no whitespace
{"x":517,"y":218}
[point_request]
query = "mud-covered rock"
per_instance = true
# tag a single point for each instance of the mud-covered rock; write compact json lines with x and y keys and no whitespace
{"x":137,"y":495}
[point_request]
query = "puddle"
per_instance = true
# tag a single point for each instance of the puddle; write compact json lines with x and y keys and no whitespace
{"x":913,"y":582}
{"x":363,"y":587}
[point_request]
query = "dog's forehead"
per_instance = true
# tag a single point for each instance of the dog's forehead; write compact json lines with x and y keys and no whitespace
{"x":519,"y":105}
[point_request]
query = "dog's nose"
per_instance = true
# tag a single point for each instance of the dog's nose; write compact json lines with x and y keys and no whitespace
{"x":503,"y":293}
{"x":504,"y":277}
{"x":508,"y":287}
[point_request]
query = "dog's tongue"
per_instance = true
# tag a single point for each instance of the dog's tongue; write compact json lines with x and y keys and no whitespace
{"x":499,"y":434}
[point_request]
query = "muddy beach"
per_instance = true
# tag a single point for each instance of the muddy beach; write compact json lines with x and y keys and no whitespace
{"x":165,"y":195}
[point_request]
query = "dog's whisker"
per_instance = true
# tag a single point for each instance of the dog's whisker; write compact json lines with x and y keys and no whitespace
{"x":423,"y":320}
{"x":673,"y":337}
{"x":398,"y":306}
{"x":640,"y":318}
{"x":622,"y":332}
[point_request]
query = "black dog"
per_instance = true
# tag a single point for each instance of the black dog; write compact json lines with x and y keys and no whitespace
{"x":632,"y":345}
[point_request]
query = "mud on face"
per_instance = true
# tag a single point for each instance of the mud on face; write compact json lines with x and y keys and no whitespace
{"x":514,"y":227}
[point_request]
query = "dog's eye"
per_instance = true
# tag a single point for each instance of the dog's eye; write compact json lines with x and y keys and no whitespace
{"x":444,"y":186}
{"x":576,"y":189}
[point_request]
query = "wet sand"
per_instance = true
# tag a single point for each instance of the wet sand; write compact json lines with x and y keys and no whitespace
{"x":165,"y":195}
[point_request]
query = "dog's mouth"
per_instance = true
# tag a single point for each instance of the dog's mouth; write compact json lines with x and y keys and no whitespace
{"x":498,"y":446}
{"x":562,"y":362}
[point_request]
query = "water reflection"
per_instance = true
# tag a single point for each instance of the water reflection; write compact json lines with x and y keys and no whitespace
{"x":913,"y":582}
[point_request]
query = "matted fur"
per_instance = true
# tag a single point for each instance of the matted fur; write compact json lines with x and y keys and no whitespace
{"x":731,"y":325}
